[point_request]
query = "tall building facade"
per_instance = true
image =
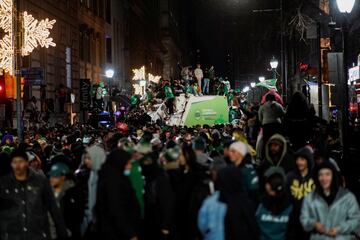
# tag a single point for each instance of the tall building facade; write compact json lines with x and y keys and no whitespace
{"x":92,"y":36}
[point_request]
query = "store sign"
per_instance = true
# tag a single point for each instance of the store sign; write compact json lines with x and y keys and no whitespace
{"x":33,"y":76}
{"x":354,"y":73}
{"x":85,"y":98}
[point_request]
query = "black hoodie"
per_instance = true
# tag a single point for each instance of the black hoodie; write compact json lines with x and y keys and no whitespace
{"x":117,"y":209}
{"x":299,"y":187}
{"x":240,"y":220}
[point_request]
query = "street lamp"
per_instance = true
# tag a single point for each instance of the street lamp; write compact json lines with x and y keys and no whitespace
{"x":109,"y":73}
{"x":246,"y":89}
{"x":274,"y":63}
{"x":252,"y":84}
{"x":345,"y":7}
{"x":261,"y":79}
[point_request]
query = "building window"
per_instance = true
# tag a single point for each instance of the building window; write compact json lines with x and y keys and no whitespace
{"x":108,"y":50}
{"x":81,"y":46}
{"x":108,"y":11}
{"x":68,"y":67}
{"x":101,"y":8}
{"x":95,"y":7}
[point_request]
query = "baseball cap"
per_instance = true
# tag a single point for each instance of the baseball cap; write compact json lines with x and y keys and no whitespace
{"x":59,"y":169}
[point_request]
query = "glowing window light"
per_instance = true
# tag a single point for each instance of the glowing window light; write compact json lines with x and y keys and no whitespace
{"x":36,"y":33}
{"x":139,"y":74}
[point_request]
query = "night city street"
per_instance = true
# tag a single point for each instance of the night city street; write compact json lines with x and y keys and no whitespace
{"x":179,"y":119}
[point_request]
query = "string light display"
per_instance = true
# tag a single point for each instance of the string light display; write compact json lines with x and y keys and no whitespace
{"x":6,"y":43}
{"x":139,"y":74}
{"x":154,"y":79}
{"x":35,"y":33}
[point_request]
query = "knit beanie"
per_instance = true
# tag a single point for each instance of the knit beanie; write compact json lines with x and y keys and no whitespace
{"x":239,"y":147}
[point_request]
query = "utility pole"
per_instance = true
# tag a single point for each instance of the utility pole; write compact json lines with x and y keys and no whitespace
{"x":283,"y":58}
{"x":17,"y":52}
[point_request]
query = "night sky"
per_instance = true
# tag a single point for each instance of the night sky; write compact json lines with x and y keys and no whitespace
{"x":230,"y":31}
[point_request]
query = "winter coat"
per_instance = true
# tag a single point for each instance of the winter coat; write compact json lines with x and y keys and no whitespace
{"x":159,"y":202}
{"x":300,"y":187}
{"x":240,"y":222}
{"x":117,"y":210}
{"x":285,"y":161}
{"x":211,"y":218}
{"x":343,"y":214}
{"x":97,"y":155}
{"x":273,"y":227}
{"x":271,"y":112}
{"x":29,"y":204}
{"x":72,"y":205}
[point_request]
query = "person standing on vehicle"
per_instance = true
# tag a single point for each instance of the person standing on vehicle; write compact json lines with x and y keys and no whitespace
{"x":199,"y":75}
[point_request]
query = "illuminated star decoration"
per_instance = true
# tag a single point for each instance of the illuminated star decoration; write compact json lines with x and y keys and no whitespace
{"x":154,"y":79}
{"x":35,"y":33}
{"x":139,"y":74}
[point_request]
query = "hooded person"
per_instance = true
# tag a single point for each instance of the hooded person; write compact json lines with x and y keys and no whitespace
{"x":301,"y":184}
{"x":202,"y":158}
{"x":237,"y":153}
{"x":274,"y":214}
{"x":69,"y":199}
{"x":276,"y":155}
{"x":240,"y":220}
{"x":330,"y":212}
{"x":117,"y":209}
{"x":93,"y":158}
{"x":270,"y":117}
{"x":159,"y":198}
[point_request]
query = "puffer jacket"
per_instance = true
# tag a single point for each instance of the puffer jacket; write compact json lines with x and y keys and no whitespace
{"x":29,"y":202}
{"x":343,"y":214}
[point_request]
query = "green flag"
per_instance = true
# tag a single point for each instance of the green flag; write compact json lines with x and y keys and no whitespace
{"x":268,"y":83}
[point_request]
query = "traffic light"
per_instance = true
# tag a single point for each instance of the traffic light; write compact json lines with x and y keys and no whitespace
{"x":304,"y":67}
{"x":2,"y":89}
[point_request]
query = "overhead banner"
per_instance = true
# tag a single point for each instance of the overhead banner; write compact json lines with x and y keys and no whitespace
{"x":206,"y":110}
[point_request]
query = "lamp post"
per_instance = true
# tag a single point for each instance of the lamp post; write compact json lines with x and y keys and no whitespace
{"x":345,"y":7}
{"x":261,"y":79}
{"x":109,"y":73}
{"x":274,"y":63}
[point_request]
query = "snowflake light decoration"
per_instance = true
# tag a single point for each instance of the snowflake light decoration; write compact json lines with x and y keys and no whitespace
{"x":35,"y":33}
{"x":6,"y":43}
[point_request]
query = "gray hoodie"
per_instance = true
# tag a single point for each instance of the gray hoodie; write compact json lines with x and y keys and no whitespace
{"x":343,"y":214}
{"x":271,"y":112}
{"x":98,"y":156}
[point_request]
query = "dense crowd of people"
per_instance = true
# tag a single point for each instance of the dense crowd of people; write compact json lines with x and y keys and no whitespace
{"x":272,"y":178}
